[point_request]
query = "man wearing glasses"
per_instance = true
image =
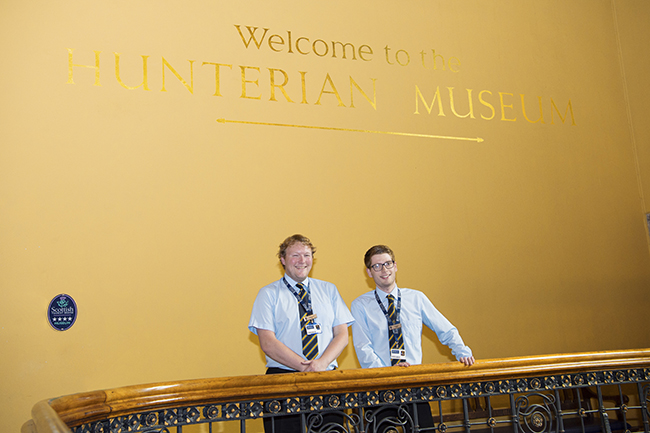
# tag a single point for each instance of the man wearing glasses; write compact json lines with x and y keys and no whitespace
{"x":387,"y":330}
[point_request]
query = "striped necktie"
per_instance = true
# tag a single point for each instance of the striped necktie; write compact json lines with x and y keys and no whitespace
{"x":309,"y":342}
{"x":395,"y":340}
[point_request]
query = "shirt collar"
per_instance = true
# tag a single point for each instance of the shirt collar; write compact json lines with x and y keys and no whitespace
{"x":383,"y":295}
{"x":293,"y":283}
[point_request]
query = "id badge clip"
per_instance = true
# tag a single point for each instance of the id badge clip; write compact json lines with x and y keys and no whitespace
{"x":313,"y":328}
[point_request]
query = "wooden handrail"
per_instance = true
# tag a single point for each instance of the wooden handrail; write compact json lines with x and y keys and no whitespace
{"x":52,"y":416}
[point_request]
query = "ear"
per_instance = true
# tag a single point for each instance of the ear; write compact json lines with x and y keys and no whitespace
{"x":282,"y":261}
{"x":368,"y":271}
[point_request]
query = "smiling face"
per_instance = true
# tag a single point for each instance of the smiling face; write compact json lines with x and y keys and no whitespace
{"x":297,"y":261}
{"x":384,"y":278}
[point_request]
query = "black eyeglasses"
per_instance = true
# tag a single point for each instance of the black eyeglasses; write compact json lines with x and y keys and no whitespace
{"x":388,"y":265}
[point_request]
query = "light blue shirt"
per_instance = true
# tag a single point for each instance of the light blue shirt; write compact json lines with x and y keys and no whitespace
{"x":370,"y":328}
{"x":276,"y":309}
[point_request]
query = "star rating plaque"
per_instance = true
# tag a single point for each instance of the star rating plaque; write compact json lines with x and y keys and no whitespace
{"x":62,"y":312}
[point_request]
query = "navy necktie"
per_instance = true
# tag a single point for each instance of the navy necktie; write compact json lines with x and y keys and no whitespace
{"x":309,"y":342}
{"x":395,"y":339}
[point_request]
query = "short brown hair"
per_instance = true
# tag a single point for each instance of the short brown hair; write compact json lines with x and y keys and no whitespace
{"x":377,"y":249}
{"x":294,"y":240}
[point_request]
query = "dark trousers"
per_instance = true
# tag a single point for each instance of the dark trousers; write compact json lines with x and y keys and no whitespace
{"x":291,"y":423}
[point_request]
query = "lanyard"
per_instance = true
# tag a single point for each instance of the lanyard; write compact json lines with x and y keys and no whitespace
{"x":307,"y":305}
{"x":391,"y":324}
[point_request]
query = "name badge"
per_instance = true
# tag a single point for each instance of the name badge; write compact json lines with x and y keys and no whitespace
{"x":313,"y":328}
{"x":397,"y":354}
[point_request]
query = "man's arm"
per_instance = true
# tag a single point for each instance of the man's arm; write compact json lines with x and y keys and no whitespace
{"x":363,"y":347}
{"x":334,"y":349}
{"x":446,"y":332}
{"x":278,"y":351}
{"x":361,"y":338}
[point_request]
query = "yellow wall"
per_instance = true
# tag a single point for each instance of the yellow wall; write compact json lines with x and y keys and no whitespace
{"x":633,"y":17}
{"x":163,"y":223}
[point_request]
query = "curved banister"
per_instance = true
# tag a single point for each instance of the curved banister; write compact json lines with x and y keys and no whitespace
{"x":51,"y":416}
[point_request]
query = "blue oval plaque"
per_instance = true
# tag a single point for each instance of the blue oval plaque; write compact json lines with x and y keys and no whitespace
{"x":62,"y":312}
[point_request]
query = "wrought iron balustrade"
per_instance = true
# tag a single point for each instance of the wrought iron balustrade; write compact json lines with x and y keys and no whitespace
{"x":568,"y":393}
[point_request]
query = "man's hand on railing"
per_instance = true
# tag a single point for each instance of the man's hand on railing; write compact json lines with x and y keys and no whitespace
{"x":467,"y":360}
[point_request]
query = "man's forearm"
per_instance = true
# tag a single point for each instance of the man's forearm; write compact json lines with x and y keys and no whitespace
{"x":278,"y":351}
{"x":337,"y":344}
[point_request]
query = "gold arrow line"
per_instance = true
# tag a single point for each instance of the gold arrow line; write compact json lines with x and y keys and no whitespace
{"x":408,"y":134}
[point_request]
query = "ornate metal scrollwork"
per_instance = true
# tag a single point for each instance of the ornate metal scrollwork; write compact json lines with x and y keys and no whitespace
{"x":578,"y":379}
{"x":274,"y":406}
{"x":84,"y":429}
{"x":209,"y":412}
{"x":101,"y":427}
{"x":134,"y":422}
{"x":592,"y":378}
{"x":293,"y":405}
{"x":522,"y":385}
{"x":426,"y":393}
{"x":608,"y":377}
{"x":372,"y":398}
{"x":170,"y":417}
{"x":405,"y":395}
{"x":389,"y":419}
{"x":389,"y":396}
{"x":550,"y":382}
{"x":535,"y":409}
{"x":117,"y":426}
{"x":351,"y":400}
{"x":536,"y":417}
{"x":333,"y":421}
{"x":333,"y":401}
{"x":565,"y":381}
{"x":256,"y":410}
{"x":190,"y":415}
{"x":231,"y":411}
{"x":505,"y":386}
{"x":316,"y":403}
